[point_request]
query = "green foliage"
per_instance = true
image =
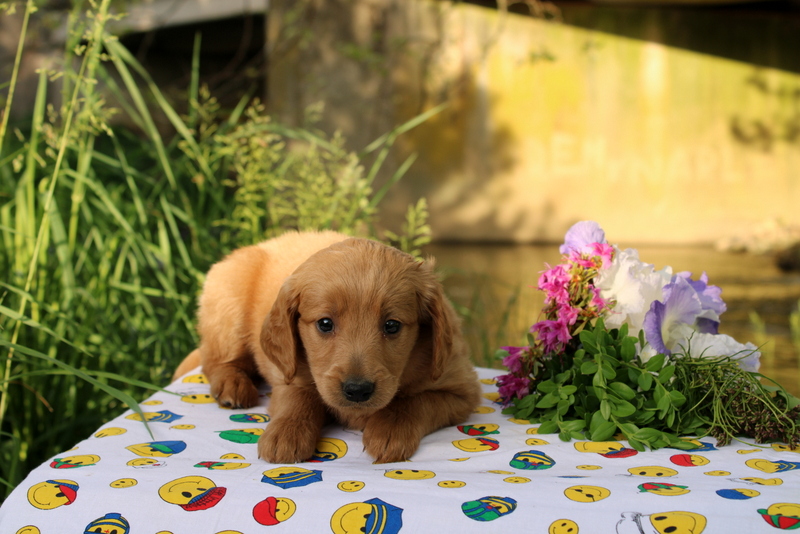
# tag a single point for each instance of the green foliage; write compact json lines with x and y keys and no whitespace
{"x":416,"y":232}
{"x":603,"y":389}
{"x":106,"y":233}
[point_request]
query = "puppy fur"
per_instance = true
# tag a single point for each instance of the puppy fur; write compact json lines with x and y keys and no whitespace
{"x":343,"y":329}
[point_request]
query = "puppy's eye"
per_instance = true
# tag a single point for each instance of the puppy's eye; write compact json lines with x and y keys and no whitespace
{"x":325,"y":325}
{"x":391,"y":327}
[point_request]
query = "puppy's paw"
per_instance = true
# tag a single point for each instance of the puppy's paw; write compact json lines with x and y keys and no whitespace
{"x":388,"y":440}
{"x":234,"y":389}
{"x":287,"y":443}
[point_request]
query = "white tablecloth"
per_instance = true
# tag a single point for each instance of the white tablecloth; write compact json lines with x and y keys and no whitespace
{"x":199,"y":474}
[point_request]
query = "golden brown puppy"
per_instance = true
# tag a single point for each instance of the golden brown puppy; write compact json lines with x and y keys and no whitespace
{"x":340,"y":327}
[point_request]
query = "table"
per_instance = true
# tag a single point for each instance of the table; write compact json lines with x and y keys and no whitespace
{"x":198,"y":473}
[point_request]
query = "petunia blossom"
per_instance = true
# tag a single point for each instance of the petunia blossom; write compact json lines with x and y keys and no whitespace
{"x":632,"y":286}
{"x":581,"y":236}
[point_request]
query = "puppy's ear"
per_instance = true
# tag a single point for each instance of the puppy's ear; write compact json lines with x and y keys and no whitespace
{"x":279,"y":337}
{"x":436,"y":311}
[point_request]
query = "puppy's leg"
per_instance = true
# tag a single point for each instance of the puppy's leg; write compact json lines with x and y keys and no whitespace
{"x":393,"y":433}
{"x":297,"y":415}
{"x":231,"y":379}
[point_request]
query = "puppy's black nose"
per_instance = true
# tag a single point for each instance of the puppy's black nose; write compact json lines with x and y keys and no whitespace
{"x":357,"y":390}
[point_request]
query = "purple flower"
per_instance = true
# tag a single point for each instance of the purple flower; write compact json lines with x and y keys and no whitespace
{"x":513,"y":362}
{"x":553,"y":334}
{"x":710,"y":300}
{"x":511,"y":386}
{"x":581,"y":236}
{"x":671,"y":321}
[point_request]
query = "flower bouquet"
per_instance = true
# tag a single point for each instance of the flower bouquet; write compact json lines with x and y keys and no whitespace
{"x":624,"y":348}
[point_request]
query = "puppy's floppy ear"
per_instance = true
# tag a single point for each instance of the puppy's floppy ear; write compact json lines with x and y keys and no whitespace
{"x":436,"y":311}
{"x":279,"y":337}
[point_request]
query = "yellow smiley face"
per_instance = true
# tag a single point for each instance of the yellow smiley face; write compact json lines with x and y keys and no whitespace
{"x":500,"y":472}
{"x":765,"y":466}
{"x":747,"y":451}
{"x":484,"y":410}
{"x":663,"y":488}
{"x":30,"y":529}
{"x":452,"y":484}
{"x":652,"y":471}
{"x":683,"y":522}
{"x":459,"y":459}
{"x":563,"y":526}
{"x":586,"y":493}
{"x":52,"y":494}
{"x":488,"y":381}
{"x":409,"y":474}
{"x":493,"y":396}
{"x":145,"y":462}
{"x":517,"y":480}
{"x":600,"y":447}
{"x":763,"y":481}
{"x":717,"y":473}
{"x":192,"y":493}
{"x":274,"y":510}
{"x":784,"y":509}
{"x":152,"y":403}
{"x":80,"y":460}
{"x":195,"y":379}
{"x":519,"y":421}
{"x":328,"y":449}
{"x":476,"y":444}
{"x":536,"y":441}
{"x":351,"y":518}
{"x":205,"y":398}
{"x":350,"y":486}
{"x":123,"y":483}
{"x":588,"y":467}
{"x":782,"y":447}
{"x":111,"y":431}
{"x":182,"y":427}
{"x":231,"y":456}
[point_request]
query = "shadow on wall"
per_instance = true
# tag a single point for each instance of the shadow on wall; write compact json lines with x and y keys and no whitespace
{"x":780,"y":119}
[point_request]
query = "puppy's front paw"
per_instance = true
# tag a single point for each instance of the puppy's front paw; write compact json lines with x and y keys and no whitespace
{"x":234,"y":389}
{"x":287,"y":443}
{"x":388,"y":440}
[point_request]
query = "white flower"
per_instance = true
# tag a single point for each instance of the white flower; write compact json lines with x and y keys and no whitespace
{"x":720,"y":345}
{"x":633,"y":285}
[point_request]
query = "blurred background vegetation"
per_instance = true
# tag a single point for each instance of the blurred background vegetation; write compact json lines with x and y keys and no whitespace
{"x":136,"y":151}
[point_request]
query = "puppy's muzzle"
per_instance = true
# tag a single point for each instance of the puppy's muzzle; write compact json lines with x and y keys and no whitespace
{"x":358,"y":390}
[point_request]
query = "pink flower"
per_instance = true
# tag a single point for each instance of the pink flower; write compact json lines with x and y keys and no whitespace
{"x":554,"y":335}
{"x":511,"y":386}
{"x":604,"y":251}
{"x":513,"y":362}
{"x":555,"y":283}
{"x":568,"y":314}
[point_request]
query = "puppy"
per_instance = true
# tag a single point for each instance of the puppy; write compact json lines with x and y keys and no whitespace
{"x":341,"y":328}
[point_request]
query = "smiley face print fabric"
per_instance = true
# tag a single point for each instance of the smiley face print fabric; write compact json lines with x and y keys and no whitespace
{"x":198,"y":472}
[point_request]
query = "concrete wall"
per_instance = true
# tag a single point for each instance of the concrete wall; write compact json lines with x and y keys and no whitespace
{"x":548,"y":123}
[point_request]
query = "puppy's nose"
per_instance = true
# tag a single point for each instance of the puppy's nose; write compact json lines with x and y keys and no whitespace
{"x":357,"y":390}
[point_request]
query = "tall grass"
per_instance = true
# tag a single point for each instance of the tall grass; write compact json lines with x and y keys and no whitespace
{"x":106,"y":233}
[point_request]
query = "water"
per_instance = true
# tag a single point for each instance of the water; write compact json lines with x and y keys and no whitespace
{"x":494,"y":285}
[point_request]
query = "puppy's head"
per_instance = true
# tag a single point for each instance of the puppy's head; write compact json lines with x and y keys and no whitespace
{"x":360,"y":315}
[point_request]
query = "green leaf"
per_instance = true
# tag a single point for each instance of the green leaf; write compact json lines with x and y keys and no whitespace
{"x":589,"y":341}
{"x":628,"y":348}
{"x":603,"y":432}
{"x":622,"y":389}
{"x":678,"y":398}
{"x":576,"y":425}
{"x":548,"y":427}
{"x":548,"y":401}
{"x":547,"y":386}
{"x":605,"y":409}
{"x":623,"y":409}
{"x":588,"y":367}
{"x":645,"y":381}
{"x":655,"y":363}
{"x":665,"y":374}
